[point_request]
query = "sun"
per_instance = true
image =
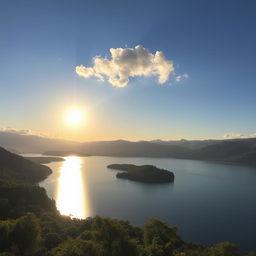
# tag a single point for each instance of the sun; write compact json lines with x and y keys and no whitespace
{"x":74,"y":116}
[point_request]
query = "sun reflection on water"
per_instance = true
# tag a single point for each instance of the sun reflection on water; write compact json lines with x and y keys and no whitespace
{"x":71,"y":194}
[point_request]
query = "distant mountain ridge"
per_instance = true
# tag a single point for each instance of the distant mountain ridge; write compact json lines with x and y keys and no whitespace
{"x":18,"y":143}
{"x":233,"y":150}
{"x":237,"y":151}
{"x":192,"y":144}
{"x":134,"y":149}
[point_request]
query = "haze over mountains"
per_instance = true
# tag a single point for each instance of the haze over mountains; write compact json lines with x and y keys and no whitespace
{"x":236,"y":150}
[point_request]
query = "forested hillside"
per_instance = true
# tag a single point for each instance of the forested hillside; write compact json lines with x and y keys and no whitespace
{"x":14,"y":167}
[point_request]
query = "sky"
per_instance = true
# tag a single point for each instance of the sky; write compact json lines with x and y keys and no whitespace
{"x":138,"y":70}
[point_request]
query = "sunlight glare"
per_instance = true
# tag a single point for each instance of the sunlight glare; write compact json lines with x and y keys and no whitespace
{"x":71,"y":199}
{"x":74,"y":116}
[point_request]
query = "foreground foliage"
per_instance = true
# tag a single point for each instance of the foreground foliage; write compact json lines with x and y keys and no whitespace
{"x":54,"y":235}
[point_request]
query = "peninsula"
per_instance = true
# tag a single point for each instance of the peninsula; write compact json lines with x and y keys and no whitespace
{"x":44,"y":159}
{"x":65,"y":153}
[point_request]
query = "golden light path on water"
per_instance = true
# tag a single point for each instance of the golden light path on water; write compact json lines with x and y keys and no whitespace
{"x":71,"y":193}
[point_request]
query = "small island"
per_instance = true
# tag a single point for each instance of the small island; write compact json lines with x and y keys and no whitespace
{"x":145,"y":173}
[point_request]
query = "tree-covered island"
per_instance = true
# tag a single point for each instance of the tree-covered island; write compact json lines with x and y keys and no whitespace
{"x":144,"y":173}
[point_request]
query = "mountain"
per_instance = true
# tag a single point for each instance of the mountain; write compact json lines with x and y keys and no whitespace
{"x":237,"y":151}
{"x":233,"y":150}
{"x":191,"y":144}
{"x":18,"y":143}
{"x":134,"y":149}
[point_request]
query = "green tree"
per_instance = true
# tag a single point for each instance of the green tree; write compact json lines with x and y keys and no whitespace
{"x":5,"y":231}
{"x":51,"y":240}
{"x":250,"y":254}
{"x":223,"y":249}
{"x":76,"y":247}
{"x":160,"y":239}
{"x":156,"y":248}
{"x":156,"y":227}
{"x":26,"y":234}
{"x":111,"y":236}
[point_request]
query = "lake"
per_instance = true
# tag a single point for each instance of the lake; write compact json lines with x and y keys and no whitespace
{"x":209,"y":202}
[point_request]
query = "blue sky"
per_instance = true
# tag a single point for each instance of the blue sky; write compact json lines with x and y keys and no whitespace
{"x":213,"y":42}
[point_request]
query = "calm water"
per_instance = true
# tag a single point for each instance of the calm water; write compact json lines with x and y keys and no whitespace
{"x":209,"y":202}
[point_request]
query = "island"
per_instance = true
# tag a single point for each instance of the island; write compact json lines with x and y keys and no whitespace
{"x":145,"y":173}
{"x":65,"y":153}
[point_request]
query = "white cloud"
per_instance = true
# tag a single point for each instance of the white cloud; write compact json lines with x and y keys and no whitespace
{"x":128,"y":62}
{"x":20,"y":131}
{"x":181,"y":77}
{"x":239,"y":136}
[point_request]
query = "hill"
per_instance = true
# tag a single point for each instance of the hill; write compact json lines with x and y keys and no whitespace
{"x":64,"y":153}
{"x":236,"y":151}
{"x":191,"y":144}
{"x":18,"y":143}
{"x":233,"y":150}
{"x":134,"y":149}
{"x":18,"y":192}
{"x":14,"y":167}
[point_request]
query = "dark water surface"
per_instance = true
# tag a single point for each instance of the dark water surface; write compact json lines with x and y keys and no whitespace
{"x":209,"y":202}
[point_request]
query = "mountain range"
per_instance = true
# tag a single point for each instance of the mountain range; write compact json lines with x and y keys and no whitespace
{"x":230,"y":150}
